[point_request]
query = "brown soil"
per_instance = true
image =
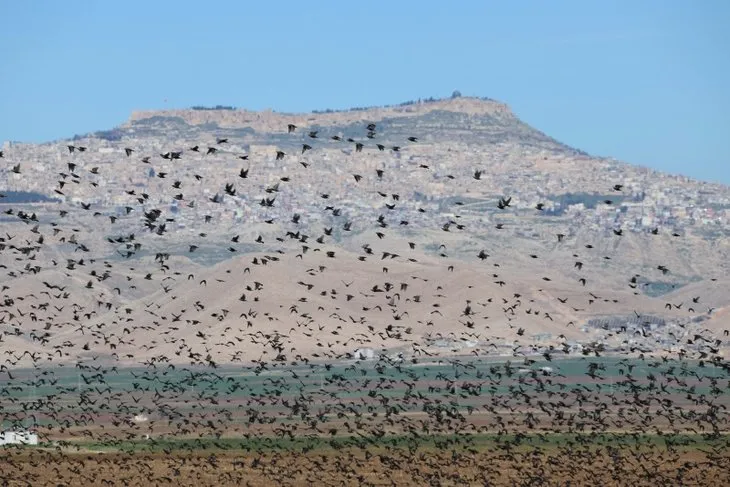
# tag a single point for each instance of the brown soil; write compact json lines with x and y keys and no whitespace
{"x":583,"y":466}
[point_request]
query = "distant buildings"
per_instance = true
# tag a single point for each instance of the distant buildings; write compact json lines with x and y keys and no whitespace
{"x":18,"y":438}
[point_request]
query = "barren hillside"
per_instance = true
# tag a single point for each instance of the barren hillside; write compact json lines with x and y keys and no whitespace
{"x":201,"y":235}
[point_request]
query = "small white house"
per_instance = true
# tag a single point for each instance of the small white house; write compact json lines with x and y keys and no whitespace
{"x":364,"y":354}
{"x":18,"y":438}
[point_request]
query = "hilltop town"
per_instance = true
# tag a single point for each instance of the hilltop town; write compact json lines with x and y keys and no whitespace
{"x":456,"y":137}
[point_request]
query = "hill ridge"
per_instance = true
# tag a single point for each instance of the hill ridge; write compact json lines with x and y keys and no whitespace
{"x":461,"y":103}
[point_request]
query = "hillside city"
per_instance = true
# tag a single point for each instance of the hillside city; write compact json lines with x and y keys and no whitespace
{"x":456,"y":137}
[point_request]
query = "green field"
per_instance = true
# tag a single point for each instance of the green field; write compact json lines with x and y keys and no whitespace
{"x":324,"y":393}
{"x":477,"y":442}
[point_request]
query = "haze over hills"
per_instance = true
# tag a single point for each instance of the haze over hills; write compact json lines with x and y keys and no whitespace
{"x":639,"y":238}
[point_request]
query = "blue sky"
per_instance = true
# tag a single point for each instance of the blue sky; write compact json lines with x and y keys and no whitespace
{"x":646,"y":82}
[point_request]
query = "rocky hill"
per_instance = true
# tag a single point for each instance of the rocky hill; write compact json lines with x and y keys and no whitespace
{"x":467,"y":120}
{"x":163,"y":241}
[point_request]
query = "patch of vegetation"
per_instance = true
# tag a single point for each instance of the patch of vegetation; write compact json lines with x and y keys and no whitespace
{"x":208,"y":127}
{"x":159,"y":119}
{"x":449,"y":205}
{"x":655,"y":289}
{"x":15,"y":197}
{"x":113,"y":135}
{"x":477,"y":442}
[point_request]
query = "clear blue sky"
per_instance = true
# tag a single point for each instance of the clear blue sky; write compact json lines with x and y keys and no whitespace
{"x":646,"y":82}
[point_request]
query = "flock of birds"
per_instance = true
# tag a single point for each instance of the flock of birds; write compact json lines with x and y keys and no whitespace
{"x":344,"y":390}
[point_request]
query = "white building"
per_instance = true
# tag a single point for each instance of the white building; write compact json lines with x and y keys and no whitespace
{"x":18,"y":438}
{"x":364,"y":354}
